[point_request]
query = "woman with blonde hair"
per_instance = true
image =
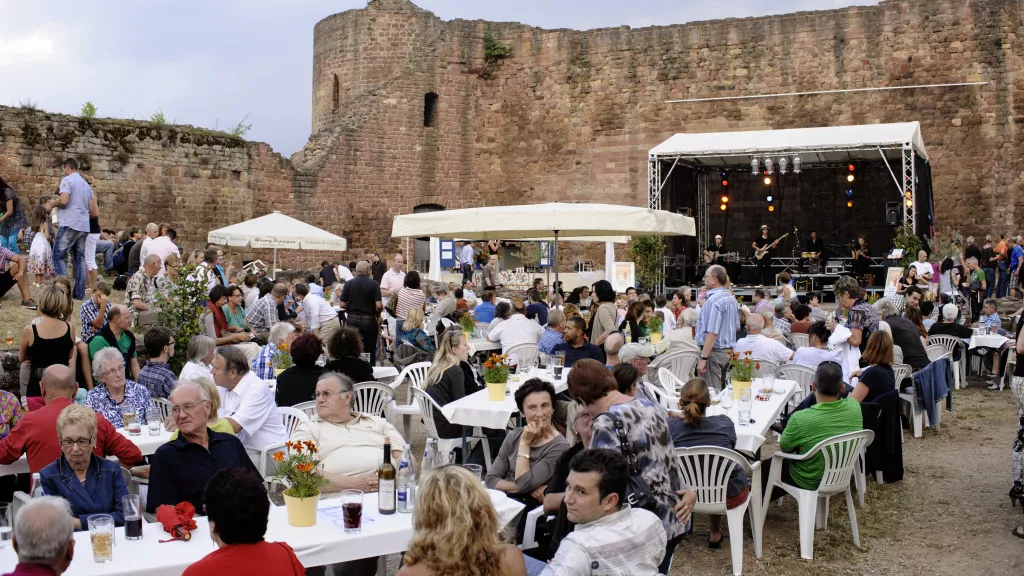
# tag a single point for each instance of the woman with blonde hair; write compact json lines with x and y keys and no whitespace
{"x":413,"y":333}
{"x":47,"y":340}
{"x":696,"y":428}
{"x":456,"y":530}
{"x":450,"y":378}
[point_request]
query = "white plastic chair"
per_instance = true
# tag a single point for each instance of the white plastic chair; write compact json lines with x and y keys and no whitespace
{"x":897,"y":355}
{"x":308,"y":408}
{"x":417,"y":376}
{"x":841,"y":454}
{"x":683,"y":365}
{"x":292,"y":418}
{"x":951,"y":344}
{"x":767,"y":367}
{"x":530,"y":529}
{"x":266,"y":463}
{"x":803,"y":376}
{"x":669,"y":388}
{"x":371,"y":398}
{"x":427,"y":405}
{"x":706,"y":470}
{"x":524,"y":353}
{"x":934,"y":351}
{"x":165,"y":408}
{"x":799,"y":340}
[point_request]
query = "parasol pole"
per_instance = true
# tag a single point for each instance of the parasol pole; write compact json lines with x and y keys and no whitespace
{"x":274,"y":269}
{"x":555,"y":260}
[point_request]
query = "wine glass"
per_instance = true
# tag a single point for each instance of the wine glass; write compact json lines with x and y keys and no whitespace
{"x":9,"y":337}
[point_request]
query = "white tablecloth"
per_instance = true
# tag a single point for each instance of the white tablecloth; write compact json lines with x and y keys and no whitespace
{"x":991,"y":341}
{"x":764,"y":413}
{"x":478,"y":410}
{"x":481,"y":345}
{"x":316,"y":545}
{"x":382,"y":372}
{"x":146,"y":443}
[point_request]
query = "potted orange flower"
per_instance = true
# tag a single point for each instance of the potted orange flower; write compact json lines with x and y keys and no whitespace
{"x":742,"y":371}
{"x":496,"y":377}
{"x":299,"y":468}
{"x":282,"y":359}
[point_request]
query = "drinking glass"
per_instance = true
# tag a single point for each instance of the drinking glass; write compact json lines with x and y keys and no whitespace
{"x":9,"y":337}
{"x":743,"y":406}
{"x":101,"y":534}
{"x":559,"y":358}
{"x":130,"y":422}
{"x":6,"y":526}
{"x":154,"y":420}
{"x":476,"y":469}
{"x":767,"y":383}
{"x":352,"y":510}
{"x":642,"y":340}
{"x":132,"y":507}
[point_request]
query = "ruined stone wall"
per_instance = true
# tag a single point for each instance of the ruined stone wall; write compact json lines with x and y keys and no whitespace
{"x":571,"y":115}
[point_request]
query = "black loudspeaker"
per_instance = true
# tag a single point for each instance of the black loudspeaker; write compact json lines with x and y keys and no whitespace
{"x":892,"y":213}
{"x":683,"y":211}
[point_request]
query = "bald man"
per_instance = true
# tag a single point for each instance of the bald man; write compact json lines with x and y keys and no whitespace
{"x":36,"y":433}
{"x":612,"y":344}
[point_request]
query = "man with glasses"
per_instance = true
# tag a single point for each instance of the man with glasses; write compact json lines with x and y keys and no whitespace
{"x":717,"y":326}
{"x":181,"y":467}
{"x":36,"y":436}
{"x":248,"y":403}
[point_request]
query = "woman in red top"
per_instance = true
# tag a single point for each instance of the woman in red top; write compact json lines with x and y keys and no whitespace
{"x":237,"y":507}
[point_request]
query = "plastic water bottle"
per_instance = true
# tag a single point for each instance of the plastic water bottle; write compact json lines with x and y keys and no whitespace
{"x":429,"y":459}
{"x":406,"y":481}
{"x":37,"y":485}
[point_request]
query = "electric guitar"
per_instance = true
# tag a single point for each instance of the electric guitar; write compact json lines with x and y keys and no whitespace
{"x":760,"y":252}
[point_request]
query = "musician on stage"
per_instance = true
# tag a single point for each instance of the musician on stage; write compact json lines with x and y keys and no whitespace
{"x":861,"y":258}
{"x":714,"y":253}
{"x":814,"y":246}
{"x":764,"y":265}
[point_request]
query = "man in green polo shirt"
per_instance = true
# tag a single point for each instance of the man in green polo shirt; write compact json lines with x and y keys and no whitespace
{"x":829,"y":417}
{"x":116,"y":330}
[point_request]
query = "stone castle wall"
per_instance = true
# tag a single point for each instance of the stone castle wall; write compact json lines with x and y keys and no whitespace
{"x":569,"y":115}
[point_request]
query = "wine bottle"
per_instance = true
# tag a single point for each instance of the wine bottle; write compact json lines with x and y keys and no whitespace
{"x":386,"y":482}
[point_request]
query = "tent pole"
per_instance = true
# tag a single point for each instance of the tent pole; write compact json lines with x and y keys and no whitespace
{"x":274,"y":269}
{"x":554,"y":261}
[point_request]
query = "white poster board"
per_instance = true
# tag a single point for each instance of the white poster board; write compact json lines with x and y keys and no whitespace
{"x":892,"y":278}
{"x":624,"y":276}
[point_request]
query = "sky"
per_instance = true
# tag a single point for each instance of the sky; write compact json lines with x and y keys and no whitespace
{"x":213,"y":63}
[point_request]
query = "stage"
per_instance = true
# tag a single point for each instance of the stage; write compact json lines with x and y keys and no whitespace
{"x":842,"y":182}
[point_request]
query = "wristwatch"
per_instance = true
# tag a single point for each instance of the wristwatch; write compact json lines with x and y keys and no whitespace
{"x":705,"y":358}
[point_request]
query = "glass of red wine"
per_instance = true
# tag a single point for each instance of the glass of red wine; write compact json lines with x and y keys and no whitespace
{"x":352,"y":510}
{"x":132,"y":506}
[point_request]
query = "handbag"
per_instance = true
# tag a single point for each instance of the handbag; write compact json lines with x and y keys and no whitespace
{"x":392,"y":306}
{"x":638,"y":493}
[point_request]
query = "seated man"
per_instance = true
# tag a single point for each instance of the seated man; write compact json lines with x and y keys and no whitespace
{"x":263,"y":313}
{"x":12,"y":271}
{"x":323,"y":319}
{"x":610,"y":537}
{"x":802,"y":315}
{"x":263,"y":364}
{"x":990,"y":317}
{"x":518,"y":329}
{"x":350,"y":445}
{"x":904,"y":335}
{"x":157,"y":375}
{"x":575,"y":346}
{"x":117,"y":333}
{"x":94,"y":311}
{"x":760,"y":347}
{"x":553,"y":333}
{"x":36,"y":432}
{"x":537,"y":310}
{"x":485,"y":309}
{"x":817,"y":314}
{"x":181,"y":467}
{"x":829,"y":416}
{"x":140,"y":294}
{"x":612,"y":345}
{"x":248,"y":404}
{"x":44,"y":537}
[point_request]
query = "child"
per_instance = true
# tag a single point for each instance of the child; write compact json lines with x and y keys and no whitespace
{"x":40,"y":255}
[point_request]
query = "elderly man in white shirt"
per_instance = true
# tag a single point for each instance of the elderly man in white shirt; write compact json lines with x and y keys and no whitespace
{"x":163,"y":247}
{"x":323,"y":319}
{"x":152,"y":232}
{"x":759,"y":346}
{"x":246,"y":402}
{"x":518,"y":329}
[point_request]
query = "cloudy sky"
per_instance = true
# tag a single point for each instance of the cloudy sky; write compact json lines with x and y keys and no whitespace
{"x":212,"y":62}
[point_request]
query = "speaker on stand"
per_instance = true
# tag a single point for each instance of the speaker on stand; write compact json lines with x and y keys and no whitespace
{"x":892,"y":214}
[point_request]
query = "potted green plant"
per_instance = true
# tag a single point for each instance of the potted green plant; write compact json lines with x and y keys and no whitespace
{"x":300,"y":470}
{"x":282,"y":359}
{"x":654,"y":328}
{"x":468,"y":325}
{"x":742,"y":371}
{"x":496,"y":377}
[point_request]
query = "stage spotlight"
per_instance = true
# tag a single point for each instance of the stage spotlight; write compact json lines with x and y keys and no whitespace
{"x":796,"y":164}
{"x":767,"y":181}
{"x":849,"y":191}
{"x":725,"y":183}
{"x":782,"y":165}
{"x":769,"y":198}
{"x":769,"y":165}
{"x":849,"y":204}
{"x":722,"y":207}
{"x":725,"y":199}
{"x":725,"y":175}
{"x":754,"y":167}
{"x":849,"y":178}
{"x":910,"y":203}
{"x":771,"y":208}
{"x":851,"y":167}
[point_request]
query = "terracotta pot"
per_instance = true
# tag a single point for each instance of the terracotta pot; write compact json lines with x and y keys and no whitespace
{"x":301,"y":511}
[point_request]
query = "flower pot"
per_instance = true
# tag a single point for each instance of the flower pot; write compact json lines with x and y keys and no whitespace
{"x":737,"y":387}
{"x":277,"y":371}
{"x":301,"y":511}
{"x":469,"y":335}
{"x":496,"y":391}
{"x":655,"y":337}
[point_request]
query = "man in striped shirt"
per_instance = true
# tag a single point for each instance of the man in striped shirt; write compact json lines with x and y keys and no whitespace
{"x":717,"y":325}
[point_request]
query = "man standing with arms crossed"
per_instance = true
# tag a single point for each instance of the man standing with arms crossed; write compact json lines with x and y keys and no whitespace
{"x":717,"y":325}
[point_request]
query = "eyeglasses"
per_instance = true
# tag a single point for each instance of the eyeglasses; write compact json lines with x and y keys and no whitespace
{"x":326,"y":394}
{"x":113,"y":371}
{"x":81,"y":442}
{"x":175,"y":410}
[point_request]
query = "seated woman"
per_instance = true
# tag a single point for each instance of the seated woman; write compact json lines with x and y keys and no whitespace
{"x":578,"y":422}
{"x":815,"y":352}
{"x":344,"y":348}
{"x":917,"y":319}
{"x":200,"y":355}
{"x":234,"y":310}
{"x":112,"y":393}
{"x":636,"y":320}
{"x":413,"y":333}
{"x":298,"y":382}
{"x":529,"y":453}
{"x":450,"y":378}
{"x":92,"y":485}
{"x":878,"y":378}
{"x":214,"y":323}
{"x":455,"y":530}
{"x":238,"y":509}
{"x":695,"y":428}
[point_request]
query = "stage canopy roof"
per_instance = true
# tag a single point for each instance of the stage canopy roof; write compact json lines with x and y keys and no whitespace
{"x":830,"y":144}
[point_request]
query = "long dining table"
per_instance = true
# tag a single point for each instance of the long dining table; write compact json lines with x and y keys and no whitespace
{"x":147,"y":445}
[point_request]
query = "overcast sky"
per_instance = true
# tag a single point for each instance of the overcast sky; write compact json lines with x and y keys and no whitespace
{"x":212,"y":62}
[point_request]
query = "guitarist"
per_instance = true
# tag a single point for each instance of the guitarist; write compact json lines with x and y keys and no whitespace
{"x":715,"y":253}
{"x":764,"y":265}
{"x":861,"y":258}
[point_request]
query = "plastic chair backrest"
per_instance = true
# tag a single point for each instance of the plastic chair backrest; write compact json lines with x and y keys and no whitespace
{"x":307,"y":408}
{"x":668,"y":382}
{"x":902,"y":372}
{"x":948,"y":342}
{"x":267,"y":464}
{"x":707,"y":469}
{"x":768,"y":367}
{"x":840,"y":453}
{"x":897,"y":355}
{"x":165,"y":408}
{"x":291,"y":418}
{"x":417,"y":375}
{"x":683,"y":364}
{"x":526,"y":352}
{"x":803,"y":376}
{"x":371,"y":397}
{"x":800,"y":340}
{"x":935,"y":351}
{"x":427,"y":406}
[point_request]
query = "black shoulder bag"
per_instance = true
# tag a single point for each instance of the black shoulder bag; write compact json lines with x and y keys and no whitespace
{"x":638,"y":493}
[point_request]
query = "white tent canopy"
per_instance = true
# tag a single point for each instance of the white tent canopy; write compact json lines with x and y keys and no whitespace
{"x":826,"y":144}
{"x":596,"y":222}
{"x":275,"y":231}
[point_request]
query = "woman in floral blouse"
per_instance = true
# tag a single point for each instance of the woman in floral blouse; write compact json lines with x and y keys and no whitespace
{"x":10,"y":412}
{"x":112,"y":392}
